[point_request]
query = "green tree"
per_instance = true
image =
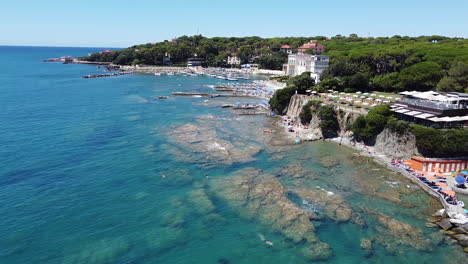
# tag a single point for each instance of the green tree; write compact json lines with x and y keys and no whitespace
{"x":457,"y":79}
{"x":302,"y":82}
{"x":423,"y":76}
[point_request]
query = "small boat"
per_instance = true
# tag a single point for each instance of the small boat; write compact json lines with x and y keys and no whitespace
{"x":162,"y":97}
{"x":157,"y":74}
{"x":170,"y":73}
{"x":232,"y":79}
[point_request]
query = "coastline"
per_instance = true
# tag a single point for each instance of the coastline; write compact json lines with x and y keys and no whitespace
{"x":451,"y":217}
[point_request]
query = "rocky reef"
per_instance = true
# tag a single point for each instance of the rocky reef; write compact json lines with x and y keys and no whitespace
{"x":199,"y":142}
{"x":334,"y":205}
{"x":257,"y":195}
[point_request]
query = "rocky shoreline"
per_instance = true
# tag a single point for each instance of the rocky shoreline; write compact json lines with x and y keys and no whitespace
{"x":401,"y":147}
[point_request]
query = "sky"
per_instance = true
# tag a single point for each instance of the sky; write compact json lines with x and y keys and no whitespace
{"x":122,"y":23}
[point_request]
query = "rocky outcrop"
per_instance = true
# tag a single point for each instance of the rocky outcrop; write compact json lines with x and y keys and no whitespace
{"x":296,"y":104}
{"x":396,"y":146}
{"x":334,"y":205}
{"x":260,"y":196}
{"x":345,"y":121}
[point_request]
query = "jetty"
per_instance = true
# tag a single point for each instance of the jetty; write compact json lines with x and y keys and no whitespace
{"x":210,"y":94}
{"x":105,"y":75}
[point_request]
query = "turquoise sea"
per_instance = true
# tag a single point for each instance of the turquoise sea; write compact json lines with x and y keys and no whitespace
{"x":99,"y":171}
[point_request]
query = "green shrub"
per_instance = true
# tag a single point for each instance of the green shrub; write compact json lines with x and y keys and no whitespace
{"x":328,"y":121}
{"x":310,"y":107}
{"x":435,"y":143}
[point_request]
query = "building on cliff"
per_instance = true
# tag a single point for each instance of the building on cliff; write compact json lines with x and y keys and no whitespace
{"x":433,"y":109}
{"x":300,"y":63}
{"x":311,"y":46}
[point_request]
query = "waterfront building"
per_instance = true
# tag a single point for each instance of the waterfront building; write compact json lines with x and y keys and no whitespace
{"x":433,"y":109}
{"x":286,"y":48}
{"x":106,"y":51}
{"x":233,"y":59}
{"x":437,"y":165}
{"x":312,"y":45}
{"x":195,"y":62}
{"x":300,"y":63}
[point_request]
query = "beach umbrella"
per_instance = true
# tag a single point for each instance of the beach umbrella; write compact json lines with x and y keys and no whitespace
{"x":389,"y":97}
{"x":355,"y":95}
{"x":460,"y":180}
{"x":373,"y":95}
{"x":436,"y":169}
{"x":381,"y":96}
{"x":359,"y":92}
{"x":438,"y":174}
{"x":342,"y":93}
{"x":378,"y":100}
{"x":431,"y":178}
{"x":335,"y":91}
{"x":441,"y":184}
{"x":357,"y":102}
{"x":365,"y":93}
{"x":449,"y":192}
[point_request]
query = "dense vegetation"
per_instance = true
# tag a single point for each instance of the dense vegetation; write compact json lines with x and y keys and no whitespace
{"x":366,"y":128}
{"x":299,"y":84}
{"x":396,"y":64}
{"x":433,"y":142}
{"x":382,"y":64}
{"x":327,"y":114}
{"x":430,"y":142}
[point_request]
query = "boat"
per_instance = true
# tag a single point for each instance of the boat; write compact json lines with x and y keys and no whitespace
{"x":162,"y":97}
{"x":157,"y":73}
{"x":232,"y":79}
{"x":170,"y":73}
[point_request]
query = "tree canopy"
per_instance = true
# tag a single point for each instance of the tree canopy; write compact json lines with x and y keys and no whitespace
{"x":388,"y":64}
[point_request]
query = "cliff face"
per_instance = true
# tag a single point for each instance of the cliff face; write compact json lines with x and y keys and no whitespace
{"x":387,"y":142}
{"x":296,"y":104}
{"x":396,"y":146}
{"x":345,"y":121}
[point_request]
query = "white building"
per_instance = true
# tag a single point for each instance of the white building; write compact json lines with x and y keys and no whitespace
{"x":233,"y":59}
{"x":300,"y":63}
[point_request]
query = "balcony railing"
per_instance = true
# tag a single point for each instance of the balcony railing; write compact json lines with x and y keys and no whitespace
{"x":431,"y":104}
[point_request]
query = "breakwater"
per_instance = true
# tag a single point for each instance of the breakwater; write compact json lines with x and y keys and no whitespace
{"x":105,"y":75}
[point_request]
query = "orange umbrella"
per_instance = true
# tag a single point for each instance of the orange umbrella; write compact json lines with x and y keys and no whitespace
{"x":436,"y":169}
{"x":449,"y":192}
{"x":441,"y":184}
{"x":431,"y":178}
{"x":407,"y":162}
{"x":440,"y":174}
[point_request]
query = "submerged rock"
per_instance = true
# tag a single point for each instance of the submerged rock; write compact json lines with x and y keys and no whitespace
{"x":399,"y":233}
{"x":329,"y":161}
{"x":103,"y":251}
{"x":334,"y":205}
{"x":261,"y":196}
{"x":366,"y":245}
{"x":200,"y":201}
{"x":296,"y":170}
{"x":206,"y":145}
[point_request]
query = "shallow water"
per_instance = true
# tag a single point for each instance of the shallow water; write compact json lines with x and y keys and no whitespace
{"x":83,"y":159}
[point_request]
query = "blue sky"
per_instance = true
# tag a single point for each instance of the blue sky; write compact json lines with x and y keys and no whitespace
{"x":119,"y":23}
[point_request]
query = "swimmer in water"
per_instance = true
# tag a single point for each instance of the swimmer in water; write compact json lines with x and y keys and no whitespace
{"x":163,"y":175}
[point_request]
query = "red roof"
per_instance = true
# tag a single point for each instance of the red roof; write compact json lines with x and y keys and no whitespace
{"x":106,"y":51}
{"x":286,"y":46}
